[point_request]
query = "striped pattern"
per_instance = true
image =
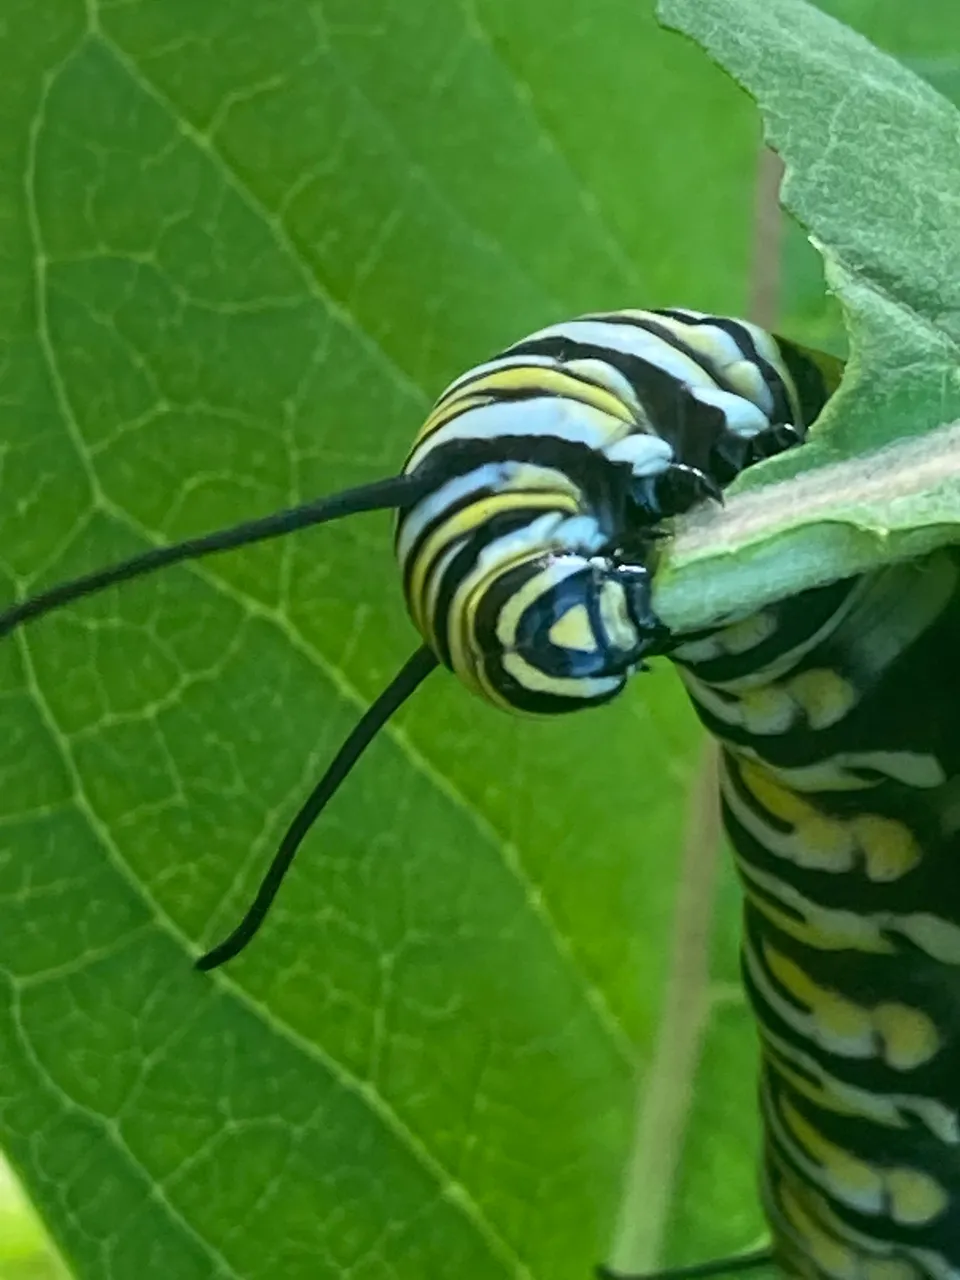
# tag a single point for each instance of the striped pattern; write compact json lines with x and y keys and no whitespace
{"x":525,"y":568}
{"x":841,"y":795}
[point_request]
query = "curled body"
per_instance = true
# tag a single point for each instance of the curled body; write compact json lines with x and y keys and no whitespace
{"x":526,"y":567}
{"x":527,"y":516}
{"x":527,"y":513}
{"x":837,"y":715}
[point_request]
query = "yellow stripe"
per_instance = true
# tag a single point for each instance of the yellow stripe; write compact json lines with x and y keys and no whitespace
{"x":852,"y":1179}
{"x":466,"y":605}
{"x":447,"y":409}
{"x":827,"y":1252}
{"x":823,"y":1092}
{"x":464,"y":611}
{"x":523,"y":378}
{"x":462,"y":524}
{"x":807,"y":930}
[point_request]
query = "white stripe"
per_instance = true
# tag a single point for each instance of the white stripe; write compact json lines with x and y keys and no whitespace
{"x":646,"y":455}
{"x":604,"y":374}
{"x":787,"y":659}
{"x":859,"y":1047}
{"x":494,"y":366}
{"x":545,"y":417}
{"x":734,"y":366}
{"x":838,"y":772}
{"x":516,"y":605}
{"x":631,"y":341}
{"x":579,"y":687}
{"x":490,"y":475}
{"x":743,"y":417}
{"x":889,"y":1108}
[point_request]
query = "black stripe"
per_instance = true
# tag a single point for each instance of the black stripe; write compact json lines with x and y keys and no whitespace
{"x":930,"y":886}
{"x":807,"y":378}
{"x":497,"y":526}
{"x":888,"y":1148}
{"x":605,"y":487}
{"x":669,"y":339}
{"x":797,"y":619}
{"x":585,"y":467}
{"x":444,"y":514}
{"x":518,"y":694}
{"x":690,"y":427}
{"x":782,"y":411}
{"x":865,"y":980}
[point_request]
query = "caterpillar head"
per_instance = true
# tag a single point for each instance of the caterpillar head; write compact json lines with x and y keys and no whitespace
{"x":534,"y":594}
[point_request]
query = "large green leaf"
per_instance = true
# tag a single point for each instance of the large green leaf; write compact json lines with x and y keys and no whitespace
{"x":243,"y":248}
{"x":244,"y":245}
{"x":870,"y":152}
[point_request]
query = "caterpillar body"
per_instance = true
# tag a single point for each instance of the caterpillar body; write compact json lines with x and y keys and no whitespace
{"x":528,"y":512}
{"x":840,"y":782}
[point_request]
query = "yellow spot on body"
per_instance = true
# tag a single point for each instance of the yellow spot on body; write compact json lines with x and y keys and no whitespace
{"x":835,"y":1016}
{"x":915,"y":1197}
{"x":767,"y":710}
{"x":889,"y":848}
{"x":572,"y":630}
{"x":824,"y":695}
{"x":824,"y":844}
{"x":820,"y":842}
{"x":842,"y":1018}
{"x":909,"y":1036}
{"x":741,"y":636}
{"x":903,"y":1037}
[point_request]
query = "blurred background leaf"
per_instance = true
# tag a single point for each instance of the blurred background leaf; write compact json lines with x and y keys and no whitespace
{"x":244,"y":246}
{"x":25,"y":1253}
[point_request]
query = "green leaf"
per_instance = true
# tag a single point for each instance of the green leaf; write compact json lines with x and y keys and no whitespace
{"x":244,"y":246}
{"x":868,"y":148}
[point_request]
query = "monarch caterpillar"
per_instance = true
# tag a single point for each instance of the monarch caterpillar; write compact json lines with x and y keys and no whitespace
{"x":527,"y":514}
